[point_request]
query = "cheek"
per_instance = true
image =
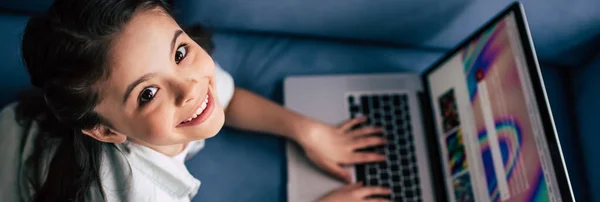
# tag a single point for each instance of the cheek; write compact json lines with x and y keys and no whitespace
{"x":157,"y":127}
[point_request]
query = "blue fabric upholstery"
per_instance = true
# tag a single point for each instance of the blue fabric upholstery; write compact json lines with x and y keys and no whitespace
{"x":403,"y":22}
{"x":559,"y":28}
{"x":558,"y":90}
{"x":587,"y":107}
{"x":13,"y":76}
{"x":29,"y":6}
{"x":564,"y":32}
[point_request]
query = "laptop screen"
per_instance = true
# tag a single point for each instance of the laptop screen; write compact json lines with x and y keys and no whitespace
{"x":488,"y":123}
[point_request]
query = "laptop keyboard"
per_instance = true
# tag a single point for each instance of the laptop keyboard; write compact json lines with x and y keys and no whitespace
{"x":399,"y":172}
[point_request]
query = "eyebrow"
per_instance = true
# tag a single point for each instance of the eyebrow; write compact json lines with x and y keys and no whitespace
{"x":175,"y":36}
{"x":136,"y":83}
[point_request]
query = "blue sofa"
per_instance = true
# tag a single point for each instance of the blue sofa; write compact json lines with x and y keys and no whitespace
{"x":261,"y":42}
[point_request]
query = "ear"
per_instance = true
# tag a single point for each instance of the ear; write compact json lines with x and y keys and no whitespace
{"x":105,"y":134}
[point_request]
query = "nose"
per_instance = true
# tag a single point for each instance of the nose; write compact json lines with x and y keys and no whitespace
{"x":185,"y":91}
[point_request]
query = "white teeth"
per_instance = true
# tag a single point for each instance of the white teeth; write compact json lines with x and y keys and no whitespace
{"x":199,"y":110}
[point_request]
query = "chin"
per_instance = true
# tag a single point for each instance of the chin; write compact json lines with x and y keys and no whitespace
{"x":212,"y":126}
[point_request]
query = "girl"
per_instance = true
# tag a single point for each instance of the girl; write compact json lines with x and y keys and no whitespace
{"x":125,"y":96}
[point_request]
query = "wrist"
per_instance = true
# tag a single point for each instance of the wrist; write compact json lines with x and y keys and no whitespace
{"x":299,"y":129}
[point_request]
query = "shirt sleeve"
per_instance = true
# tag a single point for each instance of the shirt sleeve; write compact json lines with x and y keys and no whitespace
{"x":225,"y":85}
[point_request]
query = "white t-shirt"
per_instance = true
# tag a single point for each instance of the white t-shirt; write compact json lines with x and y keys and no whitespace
{"x":128,"y":172}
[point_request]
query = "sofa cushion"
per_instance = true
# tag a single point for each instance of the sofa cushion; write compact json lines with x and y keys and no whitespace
{"x":564,"y":31}
{"x":559,"y":95}
{"x":27,"y":6}
{"x":587,"y":108}
{"x":13,"y":75}
{"x":252,"y":165}
{"x":402,"y":22}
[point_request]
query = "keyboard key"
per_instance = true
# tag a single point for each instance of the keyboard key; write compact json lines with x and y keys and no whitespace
{"x":393,"y":157}
{"x":396,"y":178}
{"x":384,"y":175}
{"x":373,"y":182}
{"x":372,"y":171}
{"x":392,"y":147}
{"x":351,"y":100}
{"x":409,"y":193}
{"x":381,"y":165}
{"x":364,"y":100}
{"x":389,"y":127}
{"x":385,"y":98}
{"x":387,"y":108}
{"x":402,"y":142}
{"x":354,"y":109}
{"x":406,"y":172}
{"x":365,"y":109}
{"x":377,"y":115}
{"x":398,"y":112}
{"x":407,"y":183}
{"x":394,"y":167}
{"x":397,"y":189}
{"x":376,"y":104}
{"x":377,"y":123}
{"x":396,"y":100}
{"x":385,"y":184}
{"x":399,"y":122}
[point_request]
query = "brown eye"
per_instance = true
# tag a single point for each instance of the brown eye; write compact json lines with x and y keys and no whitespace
{"x":180,"y":53}
{"x":147,"y":95}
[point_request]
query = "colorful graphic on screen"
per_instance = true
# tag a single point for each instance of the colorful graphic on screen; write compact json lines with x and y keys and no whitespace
{"x":501,"y":117}
{"x":463,"y":191}
{"x":456,"y":153}
{"x":449,"y":112}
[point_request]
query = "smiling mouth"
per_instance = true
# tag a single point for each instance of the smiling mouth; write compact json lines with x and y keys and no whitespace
{"x":201,"y":113}
{"x":198,"y":111}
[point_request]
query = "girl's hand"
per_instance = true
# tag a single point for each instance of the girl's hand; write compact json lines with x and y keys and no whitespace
{"x":356,"y":193}
{"x":331,"y":147}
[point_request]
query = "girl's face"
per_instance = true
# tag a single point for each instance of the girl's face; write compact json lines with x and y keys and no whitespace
{"x":160,"y":79}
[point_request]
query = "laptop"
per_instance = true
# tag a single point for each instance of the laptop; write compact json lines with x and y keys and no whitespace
{"x":475,"y":126}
